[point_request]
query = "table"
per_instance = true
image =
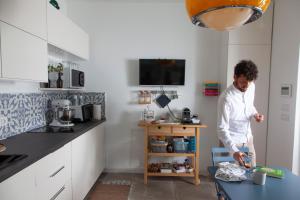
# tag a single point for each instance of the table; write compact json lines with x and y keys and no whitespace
{"x":287,"y":188}
{"x":172,"y":130}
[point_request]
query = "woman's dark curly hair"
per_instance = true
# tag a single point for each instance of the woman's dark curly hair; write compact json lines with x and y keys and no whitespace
{"x":246,"y":68}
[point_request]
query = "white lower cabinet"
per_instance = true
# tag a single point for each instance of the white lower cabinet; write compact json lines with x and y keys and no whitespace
{"x":53,"y":173}
{"x":66,"y":174}
{"x":88,"y":161}
{"x":21,"y":186}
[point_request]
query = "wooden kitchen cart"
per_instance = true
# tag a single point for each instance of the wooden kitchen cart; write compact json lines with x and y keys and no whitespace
{"x":171,"y":130}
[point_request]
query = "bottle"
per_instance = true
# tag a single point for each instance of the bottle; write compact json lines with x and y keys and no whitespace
{"x":170,"y":148}
{"x":141,"y":97}
{"x":81,"y":100}
{"x":147,"y":97}
{"x":59,"y":82}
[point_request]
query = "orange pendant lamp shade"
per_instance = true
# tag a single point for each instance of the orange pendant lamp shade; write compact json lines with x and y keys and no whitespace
{"x":225,"y":14}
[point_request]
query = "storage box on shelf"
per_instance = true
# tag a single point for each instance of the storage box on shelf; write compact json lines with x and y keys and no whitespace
{"x":159,"y":146}
{"x":172,"y":130}
{"x":211,"y":88}
{"x":180,"y":146}
{"x":163,"y":169}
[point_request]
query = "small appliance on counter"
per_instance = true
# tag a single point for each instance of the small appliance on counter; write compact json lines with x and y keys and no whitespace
{"x":186,"y":116}
{"x":83,"y":113}
{"x":63,"y":113}
{"x":2,"y":147}
{"x":52,"y":129}
{"x":97,"y":111}
{"x":73,"y":76}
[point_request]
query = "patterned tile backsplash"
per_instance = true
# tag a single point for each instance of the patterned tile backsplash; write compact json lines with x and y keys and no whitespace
{"x":25,"y":111}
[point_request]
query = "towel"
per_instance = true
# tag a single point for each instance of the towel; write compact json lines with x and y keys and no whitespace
{"x":230,"y":172}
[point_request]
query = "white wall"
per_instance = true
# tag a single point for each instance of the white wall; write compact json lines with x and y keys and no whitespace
{"x":120,"y":34}
{"x":296,"y":150}
{"x":285,"y":65}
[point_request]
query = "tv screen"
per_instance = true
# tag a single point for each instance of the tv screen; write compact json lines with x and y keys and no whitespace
{"x":162,"y":71}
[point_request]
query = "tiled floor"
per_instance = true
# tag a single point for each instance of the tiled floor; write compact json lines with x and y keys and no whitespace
{"x":164,"y":188}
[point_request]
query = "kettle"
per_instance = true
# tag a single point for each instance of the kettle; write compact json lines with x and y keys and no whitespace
{"x":186,"y":116}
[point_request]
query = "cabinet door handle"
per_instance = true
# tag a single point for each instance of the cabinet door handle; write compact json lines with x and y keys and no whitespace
{"x":58,"y":193}
{"x":54,"y":174}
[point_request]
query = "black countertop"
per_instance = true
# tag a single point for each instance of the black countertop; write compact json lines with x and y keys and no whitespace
{"x":38,"y":145}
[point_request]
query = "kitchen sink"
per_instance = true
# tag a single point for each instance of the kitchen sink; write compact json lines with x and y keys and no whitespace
{"x":6,"y":160}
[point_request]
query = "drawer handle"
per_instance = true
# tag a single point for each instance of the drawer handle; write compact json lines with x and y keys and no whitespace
{"x":184,"y":128}
{"x":159,"y":127}
{"x":58,"y":193}
{"x":54,"y":174}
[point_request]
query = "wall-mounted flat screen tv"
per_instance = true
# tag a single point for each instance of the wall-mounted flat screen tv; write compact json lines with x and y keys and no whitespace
{"x":162,"y":71}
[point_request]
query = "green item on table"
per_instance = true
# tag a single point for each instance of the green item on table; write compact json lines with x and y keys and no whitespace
{"x":277,"y":173}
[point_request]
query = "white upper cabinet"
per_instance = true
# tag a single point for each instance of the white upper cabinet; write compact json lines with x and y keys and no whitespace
{"x":29,"y":15}
{"x":65,"y":34}
{"x":23,"y":55}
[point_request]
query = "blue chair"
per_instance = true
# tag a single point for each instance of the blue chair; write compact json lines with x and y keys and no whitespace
{"x":222,"y":154}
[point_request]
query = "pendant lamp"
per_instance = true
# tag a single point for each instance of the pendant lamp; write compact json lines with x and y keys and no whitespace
{"x":225,"y":14}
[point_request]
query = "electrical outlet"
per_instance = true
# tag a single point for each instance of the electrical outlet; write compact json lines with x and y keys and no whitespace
{"x":3,"y":121}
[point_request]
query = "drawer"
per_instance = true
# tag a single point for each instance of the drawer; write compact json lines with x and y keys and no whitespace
{"x":50,"y":166}
{"x":160,"y":130}
{"x":64,"y":193}
{"x":52,"y":187}
{"x":51,"y":174}
{"x":183,"y":130}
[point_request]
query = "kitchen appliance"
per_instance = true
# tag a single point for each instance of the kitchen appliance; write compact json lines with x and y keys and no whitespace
{"x":2,"y":147}
{"x":52,"y":129}
{"x":73,"y":76}
{"x":97,"y":112}
{"x":63,"y":113}
{"x":186,"y":116}
{"x":83,"y":113}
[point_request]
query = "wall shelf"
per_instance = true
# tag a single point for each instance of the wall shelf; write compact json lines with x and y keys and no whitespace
{"x":171,"y":130}
{"x":192,"y":174}
{"x":172,"y":154}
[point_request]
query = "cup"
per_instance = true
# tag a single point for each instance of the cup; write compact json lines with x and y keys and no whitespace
{"x":259,"y":178}
{"x":97,"y":111}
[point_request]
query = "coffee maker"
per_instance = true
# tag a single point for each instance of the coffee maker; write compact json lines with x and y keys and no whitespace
{"x":62,"y":113}
{"x":186,"y":116}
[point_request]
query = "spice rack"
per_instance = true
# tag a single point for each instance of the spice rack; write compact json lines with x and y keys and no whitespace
{"x":146,"y":96}
{"x":171,"y":130}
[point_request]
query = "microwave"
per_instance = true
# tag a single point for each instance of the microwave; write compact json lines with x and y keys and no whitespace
{"x":73,"y":77}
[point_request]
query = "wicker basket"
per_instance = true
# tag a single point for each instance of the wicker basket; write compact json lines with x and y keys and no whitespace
{"x":159,"y":146}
